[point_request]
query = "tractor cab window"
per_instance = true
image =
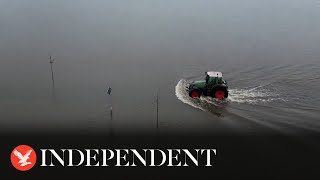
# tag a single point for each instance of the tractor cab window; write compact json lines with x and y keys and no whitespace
{"x":211,"y":81}
{"x":207,"y":79}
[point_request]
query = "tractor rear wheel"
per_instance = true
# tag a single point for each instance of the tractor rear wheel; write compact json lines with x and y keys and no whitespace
{"x":220,"y":93}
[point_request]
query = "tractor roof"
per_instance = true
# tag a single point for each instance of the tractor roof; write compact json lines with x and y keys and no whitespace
{"x":214,"y":74}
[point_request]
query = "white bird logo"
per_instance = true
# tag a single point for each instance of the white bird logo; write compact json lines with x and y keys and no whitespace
{"x":23,"y":159}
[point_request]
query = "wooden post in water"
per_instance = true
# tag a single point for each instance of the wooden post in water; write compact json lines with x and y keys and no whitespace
{"x":111,"y":113}
{"x":157,"y":110}
{"x":51,"y":60}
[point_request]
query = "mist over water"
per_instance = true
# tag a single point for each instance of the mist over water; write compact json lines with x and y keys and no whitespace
{"x":269,"y":53}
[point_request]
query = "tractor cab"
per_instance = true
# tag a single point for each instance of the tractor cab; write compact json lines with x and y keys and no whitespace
{"x":214,"y":78}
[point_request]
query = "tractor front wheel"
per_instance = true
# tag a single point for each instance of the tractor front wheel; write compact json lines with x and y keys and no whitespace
{"x":195,"y":94}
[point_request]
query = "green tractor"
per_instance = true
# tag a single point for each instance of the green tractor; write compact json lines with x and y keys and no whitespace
{"x":214,"y":85}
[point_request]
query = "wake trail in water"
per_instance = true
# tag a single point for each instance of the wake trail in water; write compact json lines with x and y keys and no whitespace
{"x":255,"y":95}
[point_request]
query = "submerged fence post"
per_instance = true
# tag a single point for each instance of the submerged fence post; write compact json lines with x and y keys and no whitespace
{"x":111,"y":112}
{"x":157,"y":111}
{"x":51,"y":60}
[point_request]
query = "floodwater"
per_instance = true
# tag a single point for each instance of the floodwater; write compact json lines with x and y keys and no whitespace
{"x":268,"y":51}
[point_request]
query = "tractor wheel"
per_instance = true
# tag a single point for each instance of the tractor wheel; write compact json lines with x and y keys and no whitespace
{"x":195,"y":94}
{"x":220,"y":93}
